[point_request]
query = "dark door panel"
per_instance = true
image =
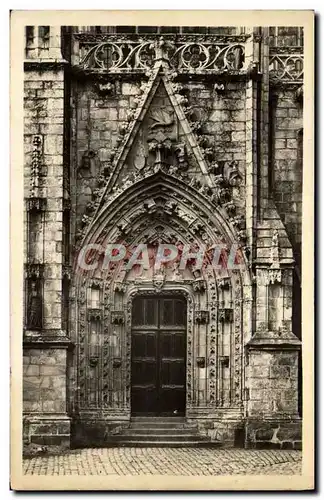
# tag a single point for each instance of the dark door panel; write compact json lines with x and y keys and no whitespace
{"x":158,"y":356}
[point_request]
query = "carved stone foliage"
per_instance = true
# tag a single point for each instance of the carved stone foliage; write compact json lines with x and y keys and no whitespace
{"x":219,"y":88}
{"x":185,"y":54}
{"x":36,"y":164}
{"x":159,"y":279}
{"x":87,"y":159}
{"x":274,"y":276}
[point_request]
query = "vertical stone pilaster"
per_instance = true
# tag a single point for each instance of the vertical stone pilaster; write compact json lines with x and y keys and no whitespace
{"x":251,"y":57}
{"x":45,"y":343}
{"x":264,"y":121}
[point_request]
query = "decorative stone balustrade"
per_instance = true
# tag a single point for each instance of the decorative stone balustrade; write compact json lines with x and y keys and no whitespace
{"x":286,"y":64}
{"x":205,"y":54}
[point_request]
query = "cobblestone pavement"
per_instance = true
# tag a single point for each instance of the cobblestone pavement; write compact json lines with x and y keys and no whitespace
{"x":173,"y":461}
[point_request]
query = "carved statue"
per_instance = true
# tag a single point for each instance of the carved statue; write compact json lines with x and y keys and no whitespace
{"x":34,"y":308}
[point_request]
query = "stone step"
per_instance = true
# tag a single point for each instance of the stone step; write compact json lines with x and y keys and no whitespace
{"x":160,"y":430}
{"x":158,"y":419}
{"x":162,"y":425}
{"x":164,"y":444}
{"x":152,"y":423}
{"x":159,"y":437}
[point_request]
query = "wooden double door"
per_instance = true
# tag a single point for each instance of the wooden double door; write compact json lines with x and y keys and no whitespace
{"x":158,"y":372}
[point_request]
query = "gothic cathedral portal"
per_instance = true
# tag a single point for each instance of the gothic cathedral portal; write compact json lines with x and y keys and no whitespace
{"x":160,"y":264}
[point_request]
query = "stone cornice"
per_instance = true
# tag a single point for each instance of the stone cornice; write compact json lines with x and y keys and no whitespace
{"x":267,"y":263}
{"x":44,"y":64}
{"x":55,"y":339}
{"x":274,"y":340}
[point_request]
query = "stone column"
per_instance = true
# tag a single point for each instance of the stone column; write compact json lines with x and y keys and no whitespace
{"x":272,"y":371}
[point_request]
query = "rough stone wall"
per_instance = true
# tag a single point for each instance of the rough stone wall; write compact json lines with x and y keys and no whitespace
{"x":44,"y":395}
{"x":95,"y":132}
{"x":287,"y":122}
{"x":273,"y":435}
{"x":43,"y":114}
{"x":44,"y":388}
{"x":223,"y":118}
{"x":272,"y":380}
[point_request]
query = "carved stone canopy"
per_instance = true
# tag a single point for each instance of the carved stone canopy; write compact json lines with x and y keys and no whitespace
{"x":117,"y":317}
{"x":94,"y":314}
{"x":34,"y":271}
{"x":202,"y":317}
{"x":199,"y":285}
{"x":36,"y":204}
{"x":225,"y":315}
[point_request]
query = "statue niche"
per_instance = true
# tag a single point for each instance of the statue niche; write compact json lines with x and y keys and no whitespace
{"x":34,"y":305}
{"x":161,"y":135}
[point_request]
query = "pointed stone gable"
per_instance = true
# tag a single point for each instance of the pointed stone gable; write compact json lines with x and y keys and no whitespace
{"x":161,"y":123}
{"x":159,"y":117}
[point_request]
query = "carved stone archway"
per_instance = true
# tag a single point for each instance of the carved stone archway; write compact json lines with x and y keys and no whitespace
{"x":215,"y":302}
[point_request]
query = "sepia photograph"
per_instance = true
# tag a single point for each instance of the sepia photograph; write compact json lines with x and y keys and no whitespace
{"x":162,"y":236}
